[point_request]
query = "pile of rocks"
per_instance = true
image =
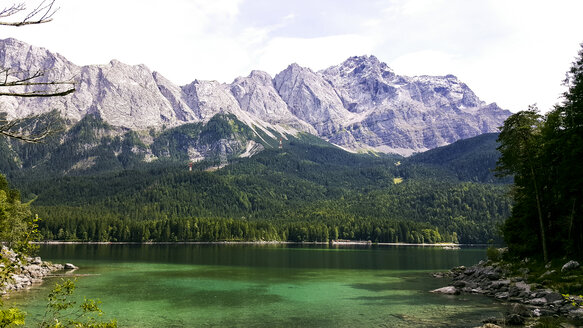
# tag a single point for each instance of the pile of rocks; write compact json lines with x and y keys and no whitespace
{"x":25,"y":271}
{"x":489,"y":279}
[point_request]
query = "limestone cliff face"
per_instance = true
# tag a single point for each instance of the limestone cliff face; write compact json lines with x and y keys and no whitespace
{"x":311,"y":99}
{"x":257,"y":95}
{"x":360,"y":104}
{"x":23,"y":60}
{"x":123,"y":95}
{"x":406,"y":114}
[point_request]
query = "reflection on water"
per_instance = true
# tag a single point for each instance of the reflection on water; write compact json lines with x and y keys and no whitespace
{"x":267,"y":285}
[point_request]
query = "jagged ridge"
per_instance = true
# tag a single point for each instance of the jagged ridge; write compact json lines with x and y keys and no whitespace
{"x":360,"y":104}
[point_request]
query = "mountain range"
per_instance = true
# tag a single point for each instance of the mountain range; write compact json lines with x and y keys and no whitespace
{"x":359,"y":105}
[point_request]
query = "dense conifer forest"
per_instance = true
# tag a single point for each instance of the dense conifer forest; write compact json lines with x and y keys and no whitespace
{"x":307,"y":191}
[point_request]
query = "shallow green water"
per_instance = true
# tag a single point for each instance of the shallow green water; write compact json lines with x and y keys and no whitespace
{"x":267,"y":285}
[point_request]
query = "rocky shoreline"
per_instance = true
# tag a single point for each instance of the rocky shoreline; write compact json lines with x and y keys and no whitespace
{"x":26,"y":271}
{"x":526,"y":301}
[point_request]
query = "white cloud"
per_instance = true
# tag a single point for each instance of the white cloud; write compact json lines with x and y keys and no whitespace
{"x":512,"y":52}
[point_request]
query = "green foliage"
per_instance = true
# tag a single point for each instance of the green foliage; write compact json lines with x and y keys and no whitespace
{"x":574,"y":299}
{"x":544,"y":156}
{"x":11,"y":317}
{"x":549,"y":322}
{"x":17,"y":230}
{"x":493,"y":254}
{"x":519,"y":139}
{"x":469,"y":159}
{"x":63,"y":312}
{"x":17,"y":225}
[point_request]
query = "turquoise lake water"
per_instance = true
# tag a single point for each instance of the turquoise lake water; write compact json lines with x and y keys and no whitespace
{"x":266,"y":285}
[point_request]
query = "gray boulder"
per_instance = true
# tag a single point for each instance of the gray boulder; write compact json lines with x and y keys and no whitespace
{"x":523,"y":286}
{"x":577,"y":313}
{"x":70,"y":266}
{"x":501,"y":295}
{"x":554,"y":297}
{"x":498,"y":284}
{"x":538,"y":301}
{"x":571,"y":265}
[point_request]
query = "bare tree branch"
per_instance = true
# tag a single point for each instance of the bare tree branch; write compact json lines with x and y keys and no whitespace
{"x":25,"y":138}
{"x":8,"y":127}
{"x":9,"y":79}
{"x":43,"y":13}
{"x":13,"y":10}
{"x":14,"y":83}
{"x":41,"y":94}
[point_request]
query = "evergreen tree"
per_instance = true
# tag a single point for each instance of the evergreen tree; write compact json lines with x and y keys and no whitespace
{"x":519,"y":148}
{"x":544,"y":155}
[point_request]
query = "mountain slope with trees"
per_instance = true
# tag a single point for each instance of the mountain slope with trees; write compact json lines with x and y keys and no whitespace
{"x":307,"y":191}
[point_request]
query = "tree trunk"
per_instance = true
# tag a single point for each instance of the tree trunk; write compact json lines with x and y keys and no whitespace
{"x":540,"y":217}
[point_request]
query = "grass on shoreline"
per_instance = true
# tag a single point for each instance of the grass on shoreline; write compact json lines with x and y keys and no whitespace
{"x":536,"y":271}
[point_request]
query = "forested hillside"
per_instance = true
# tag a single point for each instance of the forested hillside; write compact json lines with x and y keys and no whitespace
{"x":306,"y":191}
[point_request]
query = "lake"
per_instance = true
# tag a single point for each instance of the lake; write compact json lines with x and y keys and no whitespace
{"x":266,"y":285}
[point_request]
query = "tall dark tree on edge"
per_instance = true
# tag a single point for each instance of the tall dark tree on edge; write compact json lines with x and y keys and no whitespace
{"x":519,"y":155}
{"x":544,"y":154}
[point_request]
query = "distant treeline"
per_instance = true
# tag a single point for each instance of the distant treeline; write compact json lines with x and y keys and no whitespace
{"x":212,"y":230}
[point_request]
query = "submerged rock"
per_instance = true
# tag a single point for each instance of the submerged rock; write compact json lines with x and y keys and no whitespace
{"x":448,"y":290}
{"x":489,"y":325}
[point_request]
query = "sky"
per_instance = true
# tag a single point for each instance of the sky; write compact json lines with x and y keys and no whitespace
{"x":512,"y":52}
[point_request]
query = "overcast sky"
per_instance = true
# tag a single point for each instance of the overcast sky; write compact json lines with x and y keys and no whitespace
{"x":511,"y":52}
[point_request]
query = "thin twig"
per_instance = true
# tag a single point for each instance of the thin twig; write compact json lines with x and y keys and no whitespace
{"x":43,"y":13}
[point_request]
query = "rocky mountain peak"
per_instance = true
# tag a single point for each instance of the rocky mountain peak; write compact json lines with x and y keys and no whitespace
{"x":361,"y":67}
{"x":444,"y":89}
{"x":12,"y":52}
{"x":261,"y":77}
{"x":292,"y":72}
{"x":360,"y":104}
{"x":362,"y":82}
{"x":24,"y":60}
